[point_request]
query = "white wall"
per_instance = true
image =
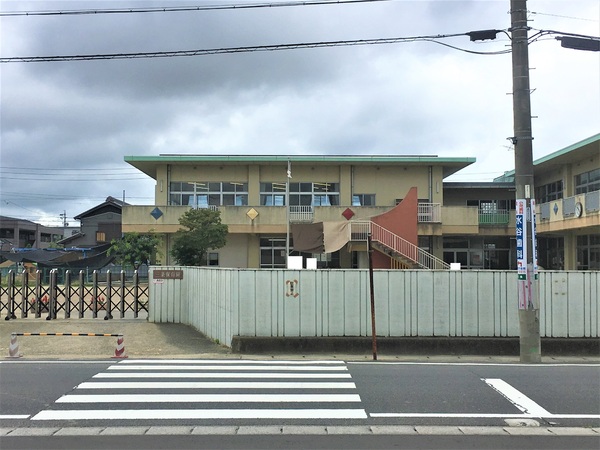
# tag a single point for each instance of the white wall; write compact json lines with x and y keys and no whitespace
{"x":222,"y":303}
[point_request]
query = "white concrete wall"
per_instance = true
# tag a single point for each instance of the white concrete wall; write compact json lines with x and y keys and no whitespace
{"x":222,"y":303}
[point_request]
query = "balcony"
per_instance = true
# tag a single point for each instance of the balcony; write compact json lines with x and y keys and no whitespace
{"x":577,"y":211}
{"x":429,"y":213}
{"x":498,"y":217}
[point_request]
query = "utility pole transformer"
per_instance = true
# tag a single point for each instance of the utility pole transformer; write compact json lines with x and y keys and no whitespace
{"x":527,"y":284}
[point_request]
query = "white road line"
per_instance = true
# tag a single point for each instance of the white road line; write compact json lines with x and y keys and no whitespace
{"x":466,"y":363}
{"x":13,"y":416}
{"x":517,"y":398}
{"x":218,"y":375}
{"x":213,"y":385}
{"x":220,"y":367}
{"x":209,"y":398}
{"x":155,"y":414}
{"x":483,"y":416}
{"x":229,"y":361}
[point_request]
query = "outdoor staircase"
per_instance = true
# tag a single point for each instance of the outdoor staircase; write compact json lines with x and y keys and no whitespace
{"x":407,"y":255}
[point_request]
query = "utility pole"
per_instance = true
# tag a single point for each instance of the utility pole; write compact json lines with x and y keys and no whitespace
{"x":63,"y":217}
{"x":529,"y":320}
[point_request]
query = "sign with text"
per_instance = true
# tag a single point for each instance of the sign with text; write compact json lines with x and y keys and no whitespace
{"x":534,"y":240}
{"x":521,"y":229}
{"x":172,"y":274}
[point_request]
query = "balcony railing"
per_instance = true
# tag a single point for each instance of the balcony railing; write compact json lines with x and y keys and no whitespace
{"x":301,"y":214}
{"x":494,"y":217}
{"x":429,"y":212}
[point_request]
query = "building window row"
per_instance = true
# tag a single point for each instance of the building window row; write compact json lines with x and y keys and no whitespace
{"x":490,"y":206}
{"x":587,"y":182}
{"x":549,"y":192}
{"x":300,"y":194}
{"x":207,"y":194}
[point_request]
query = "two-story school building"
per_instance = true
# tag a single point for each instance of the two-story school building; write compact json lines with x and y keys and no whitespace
{"x":325,"y":207}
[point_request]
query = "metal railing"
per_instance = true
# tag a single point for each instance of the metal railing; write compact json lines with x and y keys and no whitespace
{"x":494,"y":217}
{"x":301,"y":214}
{"x":359,"y":230}
{"x":73,"y":297}
{"x":429,"y":212}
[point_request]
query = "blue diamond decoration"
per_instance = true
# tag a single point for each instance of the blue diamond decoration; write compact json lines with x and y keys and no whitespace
{"x":555,"y":209}
{"x":156,"y":213}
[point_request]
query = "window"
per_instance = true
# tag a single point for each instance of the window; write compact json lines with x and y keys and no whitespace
{"x":549,"y":192}
{"x":301,"y":194}
{"x":205,"y":194}
{"x":588,"y":252}
{"x":363,"y":200}
{"x":100,"y":236}
{"x":587,"y":182}
{"x":487,"y":206}
{"x":272,"y":194}
{"x":212,"y":259}
{"x":272,"y":252}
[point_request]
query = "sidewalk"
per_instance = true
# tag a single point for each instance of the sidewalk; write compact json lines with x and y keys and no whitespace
{"x":147,"y":340}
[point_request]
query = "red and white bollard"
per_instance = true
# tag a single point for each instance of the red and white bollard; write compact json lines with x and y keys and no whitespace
{"x":120,"y":350}
{"x":13,"y":348}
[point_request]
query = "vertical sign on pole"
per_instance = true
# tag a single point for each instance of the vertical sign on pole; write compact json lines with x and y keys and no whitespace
{"x":521,"y":230}
{"x":534,"y":240}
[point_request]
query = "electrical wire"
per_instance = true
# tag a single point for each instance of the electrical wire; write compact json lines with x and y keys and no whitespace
{"x":181,"y":8}
{"x":246,"y":49}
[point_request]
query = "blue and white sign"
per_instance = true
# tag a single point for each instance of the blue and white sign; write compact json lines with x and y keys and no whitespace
{"x":534,"y":240}
{"x":521,"y":230}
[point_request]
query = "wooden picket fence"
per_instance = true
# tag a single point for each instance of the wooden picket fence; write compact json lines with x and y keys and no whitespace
{"x":73,"y":297}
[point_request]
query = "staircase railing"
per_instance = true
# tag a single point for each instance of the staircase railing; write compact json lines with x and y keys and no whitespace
{"x":360,"y":229}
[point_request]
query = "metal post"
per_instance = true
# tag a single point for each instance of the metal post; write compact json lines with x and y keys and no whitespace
{"x":373,"y":330}
{"x":287,"y":213}
{"x":529,"y":324}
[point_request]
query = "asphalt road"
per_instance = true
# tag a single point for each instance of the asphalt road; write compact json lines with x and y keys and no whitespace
{"x":284,"y":403}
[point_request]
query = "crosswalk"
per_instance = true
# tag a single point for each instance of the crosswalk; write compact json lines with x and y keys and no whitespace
{"x":212,"y":389}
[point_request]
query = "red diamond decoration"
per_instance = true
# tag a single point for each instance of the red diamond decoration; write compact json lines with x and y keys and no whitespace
{"x":348,"y":214}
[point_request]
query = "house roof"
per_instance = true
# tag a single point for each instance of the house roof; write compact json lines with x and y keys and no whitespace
{"x":93,"y":257}
{"x":110,"y":203}
{"x":149,"y":164}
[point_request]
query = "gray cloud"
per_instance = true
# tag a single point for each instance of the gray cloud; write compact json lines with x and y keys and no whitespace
{"x":406,"y":98}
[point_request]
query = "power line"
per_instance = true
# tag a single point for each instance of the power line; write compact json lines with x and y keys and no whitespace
{"x":181,"y":8}
{"x":247,"y":49}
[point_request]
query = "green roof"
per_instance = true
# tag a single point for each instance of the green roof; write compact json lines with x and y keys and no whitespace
{"x":148,"y":164}
{"x":585,"y":145}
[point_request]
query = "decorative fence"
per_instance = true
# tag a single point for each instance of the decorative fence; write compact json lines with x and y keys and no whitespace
{"x":24,"y":295}
{"x":223,"y":303}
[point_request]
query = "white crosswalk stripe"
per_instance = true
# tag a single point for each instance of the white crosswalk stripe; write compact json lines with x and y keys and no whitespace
{"x":163,"y":390}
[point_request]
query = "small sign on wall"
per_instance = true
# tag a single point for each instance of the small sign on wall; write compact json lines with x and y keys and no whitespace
{"x":173,"y":274}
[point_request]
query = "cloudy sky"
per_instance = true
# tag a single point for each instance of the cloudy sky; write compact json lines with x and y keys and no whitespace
{"x":67,"y":126}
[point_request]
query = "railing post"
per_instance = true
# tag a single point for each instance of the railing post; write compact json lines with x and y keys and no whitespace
{"x":95,"y":294}
{"x":81,"y":291}
{"x":11,"y":296}
{"x":122,"y":294}
{"x":52,"y":296}
{"x":38,"y":294}
{"x":68,"y":294}
{"x":136,"y":282}
{"x":108,"y":304}
{"x":24,"y":293}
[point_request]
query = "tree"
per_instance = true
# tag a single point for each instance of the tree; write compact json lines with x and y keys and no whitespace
{"x":204,"y":231}
{"x":134,"y":249}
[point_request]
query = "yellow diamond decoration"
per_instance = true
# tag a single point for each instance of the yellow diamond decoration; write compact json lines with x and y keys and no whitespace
{"x":252,"y":213}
